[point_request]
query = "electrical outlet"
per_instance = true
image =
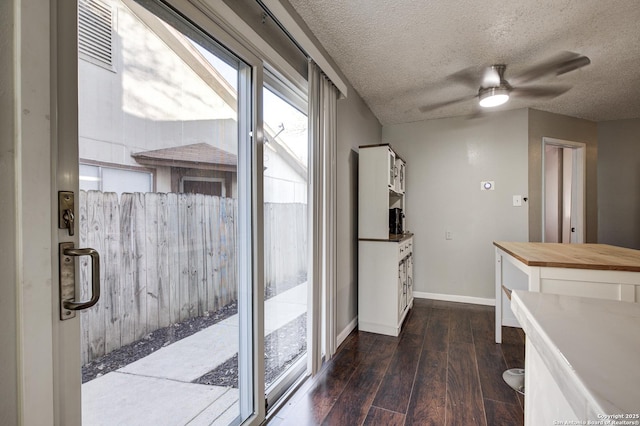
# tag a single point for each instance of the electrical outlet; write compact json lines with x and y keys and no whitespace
{"x":448,"y":235}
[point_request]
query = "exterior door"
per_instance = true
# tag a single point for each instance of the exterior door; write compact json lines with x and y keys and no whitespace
{"x":147,"y":102}
{"x":285,"y":237}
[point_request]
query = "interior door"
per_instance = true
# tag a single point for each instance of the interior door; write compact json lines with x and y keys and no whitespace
{"x":147,"y":99}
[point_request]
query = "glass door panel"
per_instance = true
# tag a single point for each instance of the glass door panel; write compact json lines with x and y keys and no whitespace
{"x":163,"y":194}
{"x":285,"y":241}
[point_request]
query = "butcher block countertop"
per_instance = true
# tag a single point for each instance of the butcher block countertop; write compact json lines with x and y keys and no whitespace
{"x":580,"y":256}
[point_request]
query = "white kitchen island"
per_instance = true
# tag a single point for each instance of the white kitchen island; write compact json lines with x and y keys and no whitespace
{"x":581,"y":359}
{"x":591,"y":270}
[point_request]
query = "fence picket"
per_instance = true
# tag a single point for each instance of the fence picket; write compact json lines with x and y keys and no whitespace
{"x":173,"y":250}
{"x":151,"y":292}
{"x":140,"y":266}
{"x":200,"y":272}
{"x":163,"y":264}
{"x":95,"y":232}
{"x":208,"y":255}
{"x":84,"y":275}
{"x":127,"y":322}
{"x":112,"y":292}
{"x":183,"y":249}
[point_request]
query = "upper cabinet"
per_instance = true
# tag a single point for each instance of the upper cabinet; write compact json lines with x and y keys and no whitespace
{"x":381,"y":188}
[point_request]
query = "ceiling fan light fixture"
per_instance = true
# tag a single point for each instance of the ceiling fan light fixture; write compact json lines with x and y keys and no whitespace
{"x":493,"y":96}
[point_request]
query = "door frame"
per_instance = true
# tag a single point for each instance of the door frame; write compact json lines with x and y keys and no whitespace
{"x":580,"y":160}
{"x":29,"y":219}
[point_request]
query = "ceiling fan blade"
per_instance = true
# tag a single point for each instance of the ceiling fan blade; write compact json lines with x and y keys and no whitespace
{"x":467,"y":76}
{"x":431,"y":107}
{"x":573,"y":64}
{"x":539,"y":91}
{"x":559,"y":64}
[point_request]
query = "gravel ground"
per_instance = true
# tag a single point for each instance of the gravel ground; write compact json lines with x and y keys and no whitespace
{"x":162,"y":337}
{"x":282,"y":347}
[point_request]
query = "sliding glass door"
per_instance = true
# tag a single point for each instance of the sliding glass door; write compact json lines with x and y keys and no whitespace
{"x":286,"y":234}
{"x":197,"y":208}
{"x":157,"y":148}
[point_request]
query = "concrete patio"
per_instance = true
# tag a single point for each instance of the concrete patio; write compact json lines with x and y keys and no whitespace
{"x":157,"y":389}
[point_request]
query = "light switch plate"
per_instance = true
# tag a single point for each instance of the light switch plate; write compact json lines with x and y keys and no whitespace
{"x":517,"y":201}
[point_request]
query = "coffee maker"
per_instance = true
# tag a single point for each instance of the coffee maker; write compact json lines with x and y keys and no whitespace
{"x":395,"y":221}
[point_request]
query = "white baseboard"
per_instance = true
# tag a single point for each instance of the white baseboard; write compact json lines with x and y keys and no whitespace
{"x":510,"y":322}
{"x":454,"y":298}
{"x":347,"y":330}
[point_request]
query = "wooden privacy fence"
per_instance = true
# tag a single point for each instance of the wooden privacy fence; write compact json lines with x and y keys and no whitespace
{"x":285,"y":246}
{"x":167,"y":257}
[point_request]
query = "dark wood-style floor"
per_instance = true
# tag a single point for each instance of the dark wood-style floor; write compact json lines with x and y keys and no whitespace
{"x":443,"y":369}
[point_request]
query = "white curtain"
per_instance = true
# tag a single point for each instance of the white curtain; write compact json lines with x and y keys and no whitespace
{"x":321,"y":332}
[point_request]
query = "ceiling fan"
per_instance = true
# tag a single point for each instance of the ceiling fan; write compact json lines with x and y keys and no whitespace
{"x":495,"y":90}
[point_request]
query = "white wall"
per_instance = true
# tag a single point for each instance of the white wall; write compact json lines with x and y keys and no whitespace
{"x":619,"y":183}
{"x":545,"y":124}
{"x":446,"y":161}
{"x":356,"y":126}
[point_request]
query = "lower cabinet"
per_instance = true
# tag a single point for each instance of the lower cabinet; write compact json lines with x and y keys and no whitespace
{"x":385,"y":285}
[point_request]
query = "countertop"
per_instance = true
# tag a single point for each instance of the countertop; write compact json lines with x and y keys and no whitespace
{"x":581,"y":256}
{"x":591,"y":346}
{"x":393,"y":238}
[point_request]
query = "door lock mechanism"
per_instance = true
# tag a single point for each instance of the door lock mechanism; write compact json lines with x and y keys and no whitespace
{"x":66,"y":216}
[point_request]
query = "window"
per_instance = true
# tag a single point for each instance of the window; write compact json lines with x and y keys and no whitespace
{"x":203,"y":185}
{"x":114,"y":179}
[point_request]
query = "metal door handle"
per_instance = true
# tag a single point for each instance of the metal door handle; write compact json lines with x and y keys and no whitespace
{"x":68,"y":304}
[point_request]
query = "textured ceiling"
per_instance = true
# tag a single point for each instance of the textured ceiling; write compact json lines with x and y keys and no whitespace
{"x":398,"y":53}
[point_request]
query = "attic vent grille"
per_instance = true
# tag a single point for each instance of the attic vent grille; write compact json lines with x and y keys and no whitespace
{"x":95,"y":35}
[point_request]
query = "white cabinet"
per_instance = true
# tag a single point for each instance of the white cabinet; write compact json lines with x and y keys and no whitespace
{"x":385,"y":262}
{"x":385,"y":291}
{"x":381,"y":175}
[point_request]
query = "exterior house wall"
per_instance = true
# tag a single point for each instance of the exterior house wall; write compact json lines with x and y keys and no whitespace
{"x":152,"y":99}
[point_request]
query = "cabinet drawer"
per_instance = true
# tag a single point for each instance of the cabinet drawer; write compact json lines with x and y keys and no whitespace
{"x":405,"y":248}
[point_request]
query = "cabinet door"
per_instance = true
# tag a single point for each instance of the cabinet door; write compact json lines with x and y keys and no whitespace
{"x":391,"y":164}
{"x":399,"y":176}
{"x":409,"y":278}
{"x":401,"y":289}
